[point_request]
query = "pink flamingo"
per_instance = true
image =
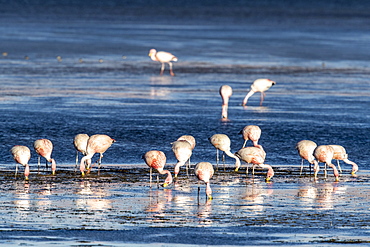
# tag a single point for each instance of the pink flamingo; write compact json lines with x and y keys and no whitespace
{"x":259,"y":85}
{"x":163,"y":57}
{"x":95,"y":144}
{"x":21,"y":155}
{"x":253,"y":133}
{"x":189,"y":139}
{"x":255,"y":156}
{"x":325,"y":154}
{"x":80,"y":143}
{"x":341,"y":154}
{"x":204,"y":172}
{"x":222,"y":142}
{"x":225,"y":91}
{"x":157,"y":160}
{"x":305,"y":150}
{"x":44,"y":148}
{"x":183,"y":152}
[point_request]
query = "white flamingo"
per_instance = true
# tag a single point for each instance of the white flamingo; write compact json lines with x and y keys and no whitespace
{"x":341,"y":154}
{"x":222,"y":142}
{"x":255,"y":156}
{"x":163,"y":57}
{"x":225,"y":91}
{"x":259,"y":85}
{"x":305,"y":150}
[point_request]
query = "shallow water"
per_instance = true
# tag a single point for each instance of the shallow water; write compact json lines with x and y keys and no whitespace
{"x":322,"y":94}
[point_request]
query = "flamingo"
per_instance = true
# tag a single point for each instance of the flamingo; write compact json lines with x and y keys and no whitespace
{"x":80,"y":143}
{"x":189,"y":139}
{"x":44,"y":148}
{"x":341,"y":154}
{"x":204,"y":172}
{"x":253,"y":133}
{"x":225,"y":91}
{"x":183,"y":151}
{"x":222,"y":142}
{"x":325,"y":154}
{"x":21,"y":155}
{"x":95,"y":144}
{"x":157,"y":160}
{"x":255,"y":156}
{"x":259,"y":85}
{"x":163,"y":57}
{"x":305,"y":150}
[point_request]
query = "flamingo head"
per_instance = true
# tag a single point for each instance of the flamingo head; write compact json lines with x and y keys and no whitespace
{"x":168,"y":180}
{"x":272,"y":82}
{"x":270,"y":174}
{"x":152,"y":52}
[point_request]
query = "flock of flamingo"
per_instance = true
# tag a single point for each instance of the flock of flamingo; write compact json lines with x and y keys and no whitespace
{"x":184,"y":145}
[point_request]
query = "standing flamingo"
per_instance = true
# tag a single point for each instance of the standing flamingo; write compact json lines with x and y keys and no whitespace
{"x":163,"y":57}
{"x":325,"y":154}
{"x":259,"y":85}
{"x":253,"y":133}
{"x":225,"y":91}
{"x":341,"y":154}
{"x":44,"y":148}
{"x":183,"y":152}
{"x":222,"y":142}
{"x":95,"y":144}
{"x":305,"y":150}
{"x":255,"y":156}
{"x":21,"y":155}
{"x":80,"y":144}
{"x":189,"y":139}
{"x":157,"y":160}
{"x":204,"y":172}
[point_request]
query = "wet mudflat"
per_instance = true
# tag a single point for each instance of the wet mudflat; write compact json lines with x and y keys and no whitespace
{"x":118,"y":208}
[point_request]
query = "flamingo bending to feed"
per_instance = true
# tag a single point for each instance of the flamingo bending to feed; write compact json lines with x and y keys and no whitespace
{"x":259,"y":85}
{"x":95,"y":144}
{"x":189,"y":139}
{"x":341,"y":154}
{"x":305,"y":150}
{"x":163,"y":57}
{"x":80,"y":144}
{"x":225,"y":91}
{"x":183,"y":151}
{"x":21,"y":155}
{"x":325,"y":154}
{"x":44,"y":148}
{"x":204,"y":172}
{"x":253,"y":133}
{"x":255,"y":156}
{"x":157,"y":160}
{"x":222,"y":142}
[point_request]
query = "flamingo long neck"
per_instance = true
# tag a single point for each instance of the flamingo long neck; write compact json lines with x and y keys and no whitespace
{"x":177,"y":167}
{"x":250,"y":93}
{"x":169,"y":176}
{"x":82,"y":163}
{"x":354,"y":165}
{"x":26,"y":171}
{"x":53,"y":166}
{"x":208,"y":190}
{"x":237,"y":160}
{"x":224,"y":113}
